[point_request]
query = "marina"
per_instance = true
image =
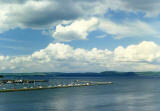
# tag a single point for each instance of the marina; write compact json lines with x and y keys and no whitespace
{"x":20,"y":81}
{"x":40,"y":87}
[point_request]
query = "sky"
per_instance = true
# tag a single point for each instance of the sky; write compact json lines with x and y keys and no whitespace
{"x":79,"y":35}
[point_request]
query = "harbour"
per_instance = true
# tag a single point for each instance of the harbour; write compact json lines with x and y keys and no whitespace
{"x":39,"y":87}
{"x":20,"y":81}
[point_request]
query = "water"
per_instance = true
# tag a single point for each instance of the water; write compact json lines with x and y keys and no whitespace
{"x":126,"y":94}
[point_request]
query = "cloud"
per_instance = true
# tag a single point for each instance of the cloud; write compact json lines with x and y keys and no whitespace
{"x":101,"y":36}
{"x":138,"y":52}
{"x":128,"y":29}
{"x":44,"y":14}
{"x":73,"y":20}
{"x":56,"y":57}
{"x":142,"y":57}
{"x":64,"y":58}
{"x":148,"y":7}
{"x":14,"y":47}
{"x":9,"y":40}
{"x":77,"y":30}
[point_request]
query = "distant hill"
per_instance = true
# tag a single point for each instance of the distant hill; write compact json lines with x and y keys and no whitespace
{"x":148,"y":73}
{"x":86,"y":74}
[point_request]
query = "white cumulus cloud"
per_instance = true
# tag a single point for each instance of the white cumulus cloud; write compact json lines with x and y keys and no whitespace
{"x":77,"y":30}
{"x":64,"y":58}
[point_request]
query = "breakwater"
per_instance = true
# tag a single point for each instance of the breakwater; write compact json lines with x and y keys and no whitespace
{"x":57,"y":86}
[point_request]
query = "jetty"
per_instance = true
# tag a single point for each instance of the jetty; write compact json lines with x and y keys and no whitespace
{"x":57,"y":86}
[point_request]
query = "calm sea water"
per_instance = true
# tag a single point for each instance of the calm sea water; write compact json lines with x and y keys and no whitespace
{"x":126,"y":94}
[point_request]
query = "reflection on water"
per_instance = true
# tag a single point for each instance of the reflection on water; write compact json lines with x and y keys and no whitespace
{"x":126,"y":94}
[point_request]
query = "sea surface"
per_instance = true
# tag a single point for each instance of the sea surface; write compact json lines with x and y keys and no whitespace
{"x":137,"y":93}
